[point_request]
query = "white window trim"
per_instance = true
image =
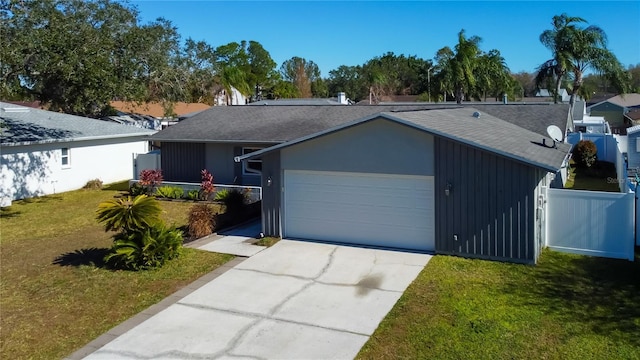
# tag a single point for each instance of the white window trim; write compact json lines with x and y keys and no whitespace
{"x":68,"y":156}
{"x":245,"y":169}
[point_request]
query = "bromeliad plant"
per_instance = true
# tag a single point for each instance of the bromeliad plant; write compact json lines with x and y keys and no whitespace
{"x":150,"y":179}
{"x":206,"y":185}
{"x":142,"y":241}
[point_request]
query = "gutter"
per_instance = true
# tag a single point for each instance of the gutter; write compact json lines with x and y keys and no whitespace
{"x":87,"y":138}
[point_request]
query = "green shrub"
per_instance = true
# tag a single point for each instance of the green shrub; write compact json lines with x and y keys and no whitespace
{"x":202,"y":221}
{"x":95,"y":184}
{"x":235,"y":202}
{"x":221,"y":194}
{"x":145,"y":249}
{"x":129,"y":214}
{"x":193,"y":195}
{"x":136,"y":189}
{"x":170,"y":192}
{"x":585,"y":153}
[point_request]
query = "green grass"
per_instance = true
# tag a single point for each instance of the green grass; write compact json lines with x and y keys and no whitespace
{"x":602,"y":177}
{"x":566,"y":307}
{"x":267,"y":241}
{"x":54,"y":294}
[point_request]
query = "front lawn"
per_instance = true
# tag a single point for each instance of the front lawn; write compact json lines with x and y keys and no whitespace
{"x":566,"y":307}
{"x":55,"y":296}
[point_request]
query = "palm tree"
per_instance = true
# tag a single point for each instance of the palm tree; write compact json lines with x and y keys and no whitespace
{"x":228,"y":78}
{"x":492,"y":75}
{"x":575,"y":51}
{"x":459,"y":65}
{"x":129,"y":214}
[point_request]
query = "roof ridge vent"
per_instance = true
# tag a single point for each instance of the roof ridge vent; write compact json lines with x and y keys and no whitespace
{"x":15,"y":109}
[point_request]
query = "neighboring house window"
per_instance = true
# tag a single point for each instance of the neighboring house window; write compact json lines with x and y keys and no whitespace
{"x":253,"y":166}
{"x":66,"y":159}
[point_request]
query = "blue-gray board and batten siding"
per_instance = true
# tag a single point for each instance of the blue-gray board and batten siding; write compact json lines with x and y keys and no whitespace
{"x":489,"y":212}
{"x":183,"y":161}
{"x":490,"y":208}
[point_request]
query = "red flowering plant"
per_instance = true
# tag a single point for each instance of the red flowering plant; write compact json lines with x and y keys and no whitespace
{"x":150,"y":179}
{"x":206,"y":185}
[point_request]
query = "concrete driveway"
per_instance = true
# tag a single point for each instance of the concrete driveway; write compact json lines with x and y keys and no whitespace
{"x":291,"y":301}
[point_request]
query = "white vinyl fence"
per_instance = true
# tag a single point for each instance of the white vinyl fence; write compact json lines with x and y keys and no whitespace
{"x":146,"y":161}
{"x":591,"y":223}
{"x":606,"y":144}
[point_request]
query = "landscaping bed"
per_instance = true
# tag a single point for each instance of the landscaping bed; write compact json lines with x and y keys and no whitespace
{"x":56,"y":295}
{"x":566,"y":307}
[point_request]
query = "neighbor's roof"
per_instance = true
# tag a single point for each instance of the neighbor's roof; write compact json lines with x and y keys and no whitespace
{"x":633,"y":129}
{"x":312,"y":101}
{"x":633,"y":114}
{"x":276,"y":124}
{"x":485,"y":132}
{"x":24,"y":126}
{"x":155,"y":109}
{"x":623,"y":100}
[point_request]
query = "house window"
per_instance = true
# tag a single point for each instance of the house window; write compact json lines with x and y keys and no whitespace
{"x":66,"y":159}
{"x":252,"y":166}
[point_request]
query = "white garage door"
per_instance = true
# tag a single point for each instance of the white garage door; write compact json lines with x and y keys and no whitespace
{"x":367,"y":209}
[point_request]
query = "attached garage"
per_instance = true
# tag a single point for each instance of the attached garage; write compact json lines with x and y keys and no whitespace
{"x":394,"y":211}
{"x":451,"y":181}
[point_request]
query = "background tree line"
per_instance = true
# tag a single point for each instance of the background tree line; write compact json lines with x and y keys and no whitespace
{"x":77,"y":56}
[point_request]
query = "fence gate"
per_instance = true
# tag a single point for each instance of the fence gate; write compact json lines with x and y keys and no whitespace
{"x":145,"y":161}
{"x":591,"y":223}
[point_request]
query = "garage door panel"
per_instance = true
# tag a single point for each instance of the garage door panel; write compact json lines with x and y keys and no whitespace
{"x":377,"y":211}
{"x":365,"y":215}
{"x":367,"y":209}
{"x":363,"y":201}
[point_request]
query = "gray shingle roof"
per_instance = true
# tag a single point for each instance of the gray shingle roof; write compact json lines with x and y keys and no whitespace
{"x":533,"y":117}
{"x":624,"y":100}
{"x":485,"y":132}
{"x":275,"y":124}
{"x":312,"y":101}
{"x":23,"y":126}
{"x":489,"y":133}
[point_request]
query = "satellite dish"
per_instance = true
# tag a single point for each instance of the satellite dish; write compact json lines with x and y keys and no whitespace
{"x":554,"y":133}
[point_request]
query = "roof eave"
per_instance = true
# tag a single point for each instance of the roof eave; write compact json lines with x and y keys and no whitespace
{"x":218,"y":141}
{"x":86,"y":138}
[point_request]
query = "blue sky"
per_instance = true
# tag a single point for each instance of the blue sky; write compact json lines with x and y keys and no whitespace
{"x":334,"y":33}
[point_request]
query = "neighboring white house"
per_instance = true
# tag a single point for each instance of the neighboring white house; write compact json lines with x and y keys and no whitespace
{"x":564,"y":95}
{"x":44,"y":152}
{"x":234,"y":98}
{"x":633,"y":147}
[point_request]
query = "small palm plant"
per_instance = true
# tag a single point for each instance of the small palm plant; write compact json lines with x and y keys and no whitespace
{"x":129,"y":214}
{"x":146,"y":249}
{"x":143,"y":241}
